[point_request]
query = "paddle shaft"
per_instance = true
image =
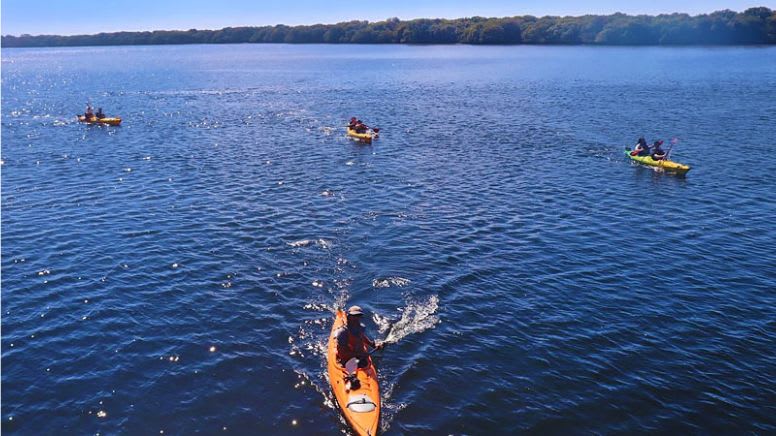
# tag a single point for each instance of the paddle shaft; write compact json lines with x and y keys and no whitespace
{"x":668,"y":153}
{"x":671,"y":148}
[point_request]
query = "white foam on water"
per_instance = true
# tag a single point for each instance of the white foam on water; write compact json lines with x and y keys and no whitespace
{"x":389,"y":411}
{"x":323,"y":243}
{"x":387,"y":282}
{"x":301,"y":243}
{"x":318,"y":307}
{"x":415,"y":318}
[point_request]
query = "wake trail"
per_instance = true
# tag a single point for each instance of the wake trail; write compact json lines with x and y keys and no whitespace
{"x":417,"y":317}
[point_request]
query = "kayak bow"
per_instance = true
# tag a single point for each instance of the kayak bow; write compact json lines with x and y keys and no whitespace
{"x":360,"y":406}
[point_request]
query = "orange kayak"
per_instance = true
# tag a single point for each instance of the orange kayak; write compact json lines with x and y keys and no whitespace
{"x":108,"y":121}
{"x":360,"y":406}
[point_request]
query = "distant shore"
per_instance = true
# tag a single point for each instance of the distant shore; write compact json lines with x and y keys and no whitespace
{"x":755,"y":26}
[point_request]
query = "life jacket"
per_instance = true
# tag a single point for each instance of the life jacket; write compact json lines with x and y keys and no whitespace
{"x":355,"y":344}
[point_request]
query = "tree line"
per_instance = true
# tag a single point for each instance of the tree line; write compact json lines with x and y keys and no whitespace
{"x":753,"y":26}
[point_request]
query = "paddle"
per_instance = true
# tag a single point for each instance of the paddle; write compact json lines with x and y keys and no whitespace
{"x":352,"y":364}
{"x":377,"y":347}
{"x":674,"y":141}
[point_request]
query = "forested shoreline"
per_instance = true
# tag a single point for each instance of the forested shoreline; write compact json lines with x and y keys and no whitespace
{"x":751,"y":27}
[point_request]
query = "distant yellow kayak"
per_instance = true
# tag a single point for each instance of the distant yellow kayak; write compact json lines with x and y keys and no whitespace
{"x":109,"y":121}
{"x":667,"y":165}
{"x":365,"y":137}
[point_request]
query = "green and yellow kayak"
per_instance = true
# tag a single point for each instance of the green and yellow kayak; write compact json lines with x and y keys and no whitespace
{"x":666,"y":165}
{"x":108,"y":121}
{"x":364,"y":137}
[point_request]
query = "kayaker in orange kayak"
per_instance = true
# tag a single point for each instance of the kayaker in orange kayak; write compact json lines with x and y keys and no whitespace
{"x":352,"y":340}
{"x":352,"y":373}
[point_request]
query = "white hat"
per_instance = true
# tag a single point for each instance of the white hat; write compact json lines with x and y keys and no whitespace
{"x":355,"y":310}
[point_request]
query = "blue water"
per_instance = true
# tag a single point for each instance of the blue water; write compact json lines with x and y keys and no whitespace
{"x":179,"y":273}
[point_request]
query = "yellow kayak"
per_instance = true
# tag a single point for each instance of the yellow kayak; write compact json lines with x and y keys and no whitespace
{"x":109,"y":121}
{"x":364,"y":137}
{"x":667,"y":165}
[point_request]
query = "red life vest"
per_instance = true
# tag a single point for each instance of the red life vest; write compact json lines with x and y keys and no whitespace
{"x":356,"y":345}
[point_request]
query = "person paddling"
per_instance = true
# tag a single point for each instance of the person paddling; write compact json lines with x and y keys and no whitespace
{"x":357,"y":125}
{"x":89,"y":113}
{"x":352,"y":340}
{"x":657,"y":152}
{"x":641,"y":148}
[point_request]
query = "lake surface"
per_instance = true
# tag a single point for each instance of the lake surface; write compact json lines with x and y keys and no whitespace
{"x":179,"y":273}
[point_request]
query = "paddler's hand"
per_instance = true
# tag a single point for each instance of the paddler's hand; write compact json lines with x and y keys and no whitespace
{"x":380,"y":346}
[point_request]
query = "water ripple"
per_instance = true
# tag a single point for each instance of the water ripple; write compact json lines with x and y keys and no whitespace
{"x":176,"y":272}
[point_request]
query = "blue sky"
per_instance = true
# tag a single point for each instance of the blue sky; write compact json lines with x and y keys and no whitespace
{"x":67,"y":17}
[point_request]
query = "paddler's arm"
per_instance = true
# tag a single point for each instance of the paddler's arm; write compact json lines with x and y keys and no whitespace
{"x":373,"y":344}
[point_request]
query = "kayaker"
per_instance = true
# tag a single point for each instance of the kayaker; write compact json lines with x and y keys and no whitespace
{"x":641,"y":148}
{"x":89,"y":114}
{"x":353,"y":123}
{"x":99,"y":114}
{"x":657,"y":152}
{"x":352,"y":340}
